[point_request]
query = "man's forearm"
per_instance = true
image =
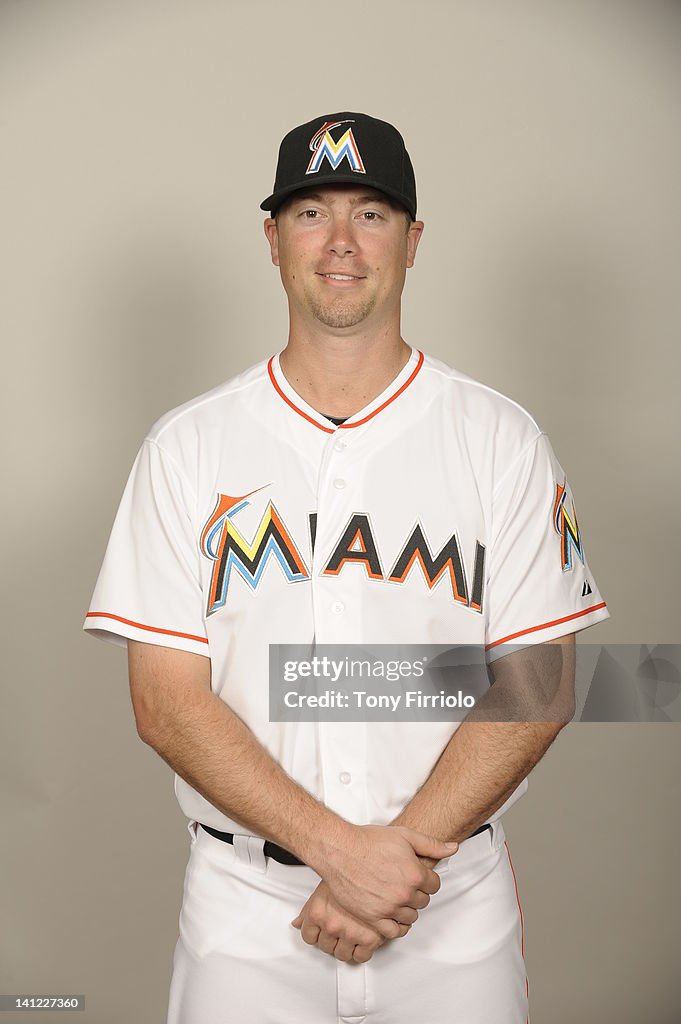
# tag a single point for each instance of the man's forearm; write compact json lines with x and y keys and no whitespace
{"x":492,"y":751}
{"x":478,"y":770}
{"x":213,"y":750}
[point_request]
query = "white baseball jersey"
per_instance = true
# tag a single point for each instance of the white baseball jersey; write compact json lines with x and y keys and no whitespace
{"x":438,"y":514}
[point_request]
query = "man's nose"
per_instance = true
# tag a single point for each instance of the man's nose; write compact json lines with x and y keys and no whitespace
{"x":342,"y":238}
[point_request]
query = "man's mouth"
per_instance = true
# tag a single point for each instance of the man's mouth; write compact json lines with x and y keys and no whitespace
{"x":342,"y":277}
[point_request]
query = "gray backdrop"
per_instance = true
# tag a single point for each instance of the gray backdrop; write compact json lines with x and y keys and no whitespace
{"x":136,"y":141}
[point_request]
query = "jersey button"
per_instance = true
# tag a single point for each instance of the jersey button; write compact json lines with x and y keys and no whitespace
{"x":337,"y":607}
{"x":340,"y":445}
{"x":339,"y":483}
{"x":345,"y":778}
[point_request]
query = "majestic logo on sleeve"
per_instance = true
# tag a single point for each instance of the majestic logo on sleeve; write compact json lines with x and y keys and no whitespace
{"x":323,"y":146}
{"x":567,"y":527}
{"x":226,"y":546}
{"x":222,"y":541}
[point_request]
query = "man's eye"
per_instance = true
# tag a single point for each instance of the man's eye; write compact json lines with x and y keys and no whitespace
{"x":371,"y":215}
{"x":310,"y":214}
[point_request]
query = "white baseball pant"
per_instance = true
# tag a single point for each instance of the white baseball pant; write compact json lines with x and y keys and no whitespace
{"x":238,"y":958}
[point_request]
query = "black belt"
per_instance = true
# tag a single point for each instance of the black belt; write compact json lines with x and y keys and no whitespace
{"x":283,"y":856}
{"x":269,"y":849}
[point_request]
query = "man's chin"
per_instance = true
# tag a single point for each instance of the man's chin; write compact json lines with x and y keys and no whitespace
{"x":340,"y":317}
{"x":340,"y":324}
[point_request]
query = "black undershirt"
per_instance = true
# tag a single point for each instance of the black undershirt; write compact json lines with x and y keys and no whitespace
{"x":335,"y":420}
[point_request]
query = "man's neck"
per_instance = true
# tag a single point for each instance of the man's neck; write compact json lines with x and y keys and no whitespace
{"x":338,"y":376}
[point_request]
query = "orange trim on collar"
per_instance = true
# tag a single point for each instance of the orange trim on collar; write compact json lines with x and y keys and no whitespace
{"x":327,"y":430}
{"x":348,"y":426}
{"x":343,"y":426}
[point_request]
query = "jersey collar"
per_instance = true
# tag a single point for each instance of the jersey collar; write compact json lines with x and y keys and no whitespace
{"x":298,"y":405}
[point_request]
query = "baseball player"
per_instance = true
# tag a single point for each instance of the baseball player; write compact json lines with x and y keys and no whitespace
{"x":350,"y":489}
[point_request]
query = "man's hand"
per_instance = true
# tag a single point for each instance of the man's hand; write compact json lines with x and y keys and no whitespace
{"x":375,"y":874}
{"x":323,"y":922}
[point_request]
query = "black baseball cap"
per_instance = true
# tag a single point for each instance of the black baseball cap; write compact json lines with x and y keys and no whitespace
{"x":345,"y":148}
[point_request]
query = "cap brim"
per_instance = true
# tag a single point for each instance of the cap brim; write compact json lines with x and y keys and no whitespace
{"x":273,"y":202}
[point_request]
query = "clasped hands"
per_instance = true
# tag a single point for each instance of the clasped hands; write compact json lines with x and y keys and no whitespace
{"x":373,"y":885}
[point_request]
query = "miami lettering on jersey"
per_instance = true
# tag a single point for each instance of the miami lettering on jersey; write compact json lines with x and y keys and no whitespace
{"x":223,"y":543}
{"x":567,"y":527}
{"x":323,"y":145}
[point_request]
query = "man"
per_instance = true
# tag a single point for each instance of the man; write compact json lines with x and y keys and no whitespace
{"x":348,"y":490}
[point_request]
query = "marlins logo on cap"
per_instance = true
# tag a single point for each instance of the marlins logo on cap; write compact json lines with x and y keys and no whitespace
{"x":322,"y":145}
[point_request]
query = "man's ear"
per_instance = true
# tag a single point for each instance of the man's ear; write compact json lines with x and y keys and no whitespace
{"x":413,"y":239}
{"x":272,"y":235}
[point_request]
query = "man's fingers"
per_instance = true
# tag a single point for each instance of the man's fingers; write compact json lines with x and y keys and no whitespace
{"x":362,"y":935}
{"x":362,"y":954}
{"x":346,"y":937}
{"x":344,"y":950}
{"x":421,"y":901}
{"x":310,"y":933}
{"x":407,"y":915}
{"x":431,"y":883}
{"x":388,"y":928}
{"x":327,"y":943}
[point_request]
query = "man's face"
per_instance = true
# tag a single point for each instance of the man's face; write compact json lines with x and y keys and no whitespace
{"x":343,"y":252}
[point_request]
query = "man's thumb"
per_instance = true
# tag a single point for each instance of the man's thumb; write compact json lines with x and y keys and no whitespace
{"x":428,"y":846}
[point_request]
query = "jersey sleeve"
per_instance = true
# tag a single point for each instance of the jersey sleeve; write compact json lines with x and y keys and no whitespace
{"x":539,"y":585}
{"x":149,"y":586}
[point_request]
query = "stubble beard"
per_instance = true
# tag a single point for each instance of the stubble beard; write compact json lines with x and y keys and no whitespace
{"x":338,"y":312}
